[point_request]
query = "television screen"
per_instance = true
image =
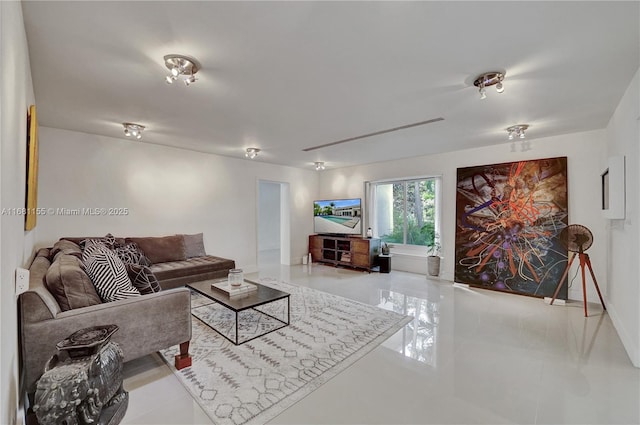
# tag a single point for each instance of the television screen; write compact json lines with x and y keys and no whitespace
{"x":338,"y":216}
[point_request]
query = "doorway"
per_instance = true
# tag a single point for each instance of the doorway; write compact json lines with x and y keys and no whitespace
{"x":273,"y":223}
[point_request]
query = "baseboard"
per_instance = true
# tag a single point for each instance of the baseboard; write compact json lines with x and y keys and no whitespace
{"x":632,"y":351}
{"x":547,"y":300}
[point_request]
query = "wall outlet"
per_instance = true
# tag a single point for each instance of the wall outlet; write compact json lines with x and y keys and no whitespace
{"x":22,"y":280}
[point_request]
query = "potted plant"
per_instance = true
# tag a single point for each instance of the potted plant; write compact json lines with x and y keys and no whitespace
{"x":433,"y":256}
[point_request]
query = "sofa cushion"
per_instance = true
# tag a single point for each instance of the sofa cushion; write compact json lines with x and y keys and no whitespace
{"x":108,"y":274}
{"x":69,"y":284}
{"x":65,"y":247}
{"x":192,"y":266}
{"x":130,"y":253}
{"x":194,"y":245}
{"x":161,"y":249}
{"x":142,"y":278}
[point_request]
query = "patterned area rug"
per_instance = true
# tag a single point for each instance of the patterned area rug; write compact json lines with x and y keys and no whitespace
{"x":254,"y":382}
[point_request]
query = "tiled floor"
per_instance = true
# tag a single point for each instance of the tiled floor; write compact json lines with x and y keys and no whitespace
{"x":470,"y":357}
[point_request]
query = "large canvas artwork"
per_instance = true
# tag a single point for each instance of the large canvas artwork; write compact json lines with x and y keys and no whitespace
{"x":508,"y":222}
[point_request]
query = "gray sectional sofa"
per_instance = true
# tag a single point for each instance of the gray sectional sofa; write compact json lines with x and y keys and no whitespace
{"x":62,"y":300}
{"x":176,"y":260}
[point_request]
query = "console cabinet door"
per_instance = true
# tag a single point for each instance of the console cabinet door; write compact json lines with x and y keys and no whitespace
{"x":360,"y":253}
{"x":315,"y":247}
{"x":360,"y":260}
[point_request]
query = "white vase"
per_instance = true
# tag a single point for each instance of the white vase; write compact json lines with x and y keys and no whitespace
{"x":433,"y":265}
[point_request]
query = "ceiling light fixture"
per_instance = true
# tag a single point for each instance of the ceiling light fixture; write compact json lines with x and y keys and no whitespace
{"x":133,"y":130}
{"x":319,"y":165}
{"x":181,"y":65}
{"x":517,"y":131}
{"x":493,"y":78}
{"x":251,"y":153}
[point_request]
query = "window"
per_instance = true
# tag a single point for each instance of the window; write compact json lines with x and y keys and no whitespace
{"x":405,"y":211}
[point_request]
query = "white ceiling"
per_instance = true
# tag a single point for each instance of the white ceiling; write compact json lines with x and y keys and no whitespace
{"x":284,"y":76}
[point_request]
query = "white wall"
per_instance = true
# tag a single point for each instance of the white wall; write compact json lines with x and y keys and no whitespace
{"x":584,"y":152}
{"x":16,"y":94}
{"x":623,"y":138}
{"x":166,"y":191}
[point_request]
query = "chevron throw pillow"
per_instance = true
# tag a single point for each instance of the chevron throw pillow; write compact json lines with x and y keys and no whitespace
{"x":108,"y":273}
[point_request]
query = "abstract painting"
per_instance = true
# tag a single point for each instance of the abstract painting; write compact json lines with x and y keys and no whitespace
{"x":508,"y":222}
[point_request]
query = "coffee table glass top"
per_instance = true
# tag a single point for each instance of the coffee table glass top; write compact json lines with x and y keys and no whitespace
{"x":262,"y":295}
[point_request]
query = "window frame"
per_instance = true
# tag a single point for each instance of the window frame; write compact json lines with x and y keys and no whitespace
{"x":410,"y":249}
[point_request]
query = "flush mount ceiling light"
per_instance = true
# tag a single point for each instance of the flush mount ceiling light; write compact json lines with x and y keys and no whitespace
{"x":493,"y":78}
{"x":319,"y":165}
{"x":133,"y":130}
{"x":251,"y":153}
{"x":181,"y":65}
{"x":517,"y":131}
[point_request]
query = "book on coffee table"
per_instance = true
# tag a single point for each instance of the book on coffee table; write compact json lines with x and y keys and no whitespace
{"x":226,"y":287}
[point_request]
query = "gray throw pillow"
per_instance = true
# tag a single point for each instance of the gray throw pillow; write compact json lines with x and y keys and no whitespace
{"x":194,"y":245}
{"x":69,"y":284}
{"x":64,"y":247}
{"x":108,"y":274}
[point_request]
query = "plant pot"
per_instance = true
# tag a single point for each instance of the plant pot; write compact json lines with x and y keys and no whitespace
{"x":433,"y":265}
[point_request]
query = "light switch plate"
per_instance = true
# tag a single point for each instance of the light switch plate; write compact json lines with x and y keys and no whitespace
{"x":22,"y":280}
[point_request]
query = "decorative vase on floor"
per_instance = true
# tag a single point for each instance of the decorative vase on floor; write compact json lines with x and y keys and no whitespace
{"x":433,"y":265}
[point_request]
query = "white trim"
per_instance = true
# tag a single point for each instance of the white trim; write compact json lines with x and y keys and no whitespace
{"x":615,"y":173}
{"x":403,"y":179}
{"x":370,"y":188}
{"x":415,"y":250}
{"x":405,"y":254}
{"x":632,"y":351}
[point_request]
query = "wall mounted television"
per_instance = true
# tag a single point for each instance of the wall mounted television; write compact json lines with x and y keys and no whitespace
{"x":337,"y":216}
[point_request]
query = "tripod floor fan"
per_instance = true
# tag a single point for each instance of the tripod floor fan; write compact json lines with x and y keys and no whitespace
{"x":578,"y":239}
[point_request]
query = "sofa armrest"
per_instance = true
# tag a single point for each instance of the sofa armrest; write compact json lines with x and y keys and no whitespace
{"x":147,"y":324}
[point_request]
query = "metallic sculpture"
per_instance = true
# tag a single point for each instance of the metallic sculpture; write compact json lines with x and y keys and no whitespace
{"x":82,"y":384}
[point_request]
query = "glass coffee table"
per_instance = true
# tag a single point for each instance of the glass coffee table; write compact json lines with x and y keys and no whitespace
{"x":237,"y":304}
